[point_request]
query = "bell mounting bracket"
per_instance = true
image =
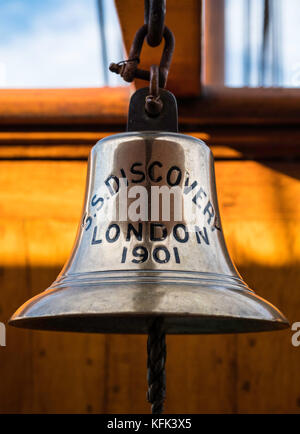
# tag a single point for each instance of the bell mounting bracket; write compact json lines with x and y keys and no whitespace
{"x":140,"y":120}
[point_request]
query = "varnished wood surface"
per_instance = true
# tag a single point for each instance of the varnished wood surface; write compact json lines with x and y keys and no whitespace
{"x":104,"y":106}
{"x":64,"y":372}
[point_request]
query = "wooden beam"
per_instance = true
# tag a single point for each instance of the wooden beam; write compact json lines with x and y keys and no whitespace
{"x":106,"y":108}
{"x":214,"y":42}
{"x":184,"y":19}
{"x":98,"y":106}
{"x":226,"y":142}
{"x":65,"y":123}
{"x":242,"y":106}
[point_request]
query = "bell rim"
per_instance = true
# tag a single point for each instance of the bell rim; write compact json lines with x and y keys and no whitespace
{"x":121,"y":306}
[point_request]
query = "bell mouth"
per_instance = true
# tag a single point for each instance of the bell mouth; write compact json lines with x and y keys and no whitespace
{"x":140,"y":324}
{"x":127,"y":303}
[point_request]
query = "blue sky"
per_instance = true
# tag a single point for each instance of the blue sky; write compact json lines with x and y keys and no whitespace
{"x":55,"y":43}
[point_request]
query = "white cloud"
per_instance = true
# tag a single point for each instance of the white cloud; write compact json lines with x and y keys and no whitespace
{"x":60,"y":49}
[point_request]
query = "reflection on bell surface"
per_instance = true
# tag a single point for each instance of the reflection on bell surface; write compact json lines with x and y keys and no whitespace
{"x":143,"y":252}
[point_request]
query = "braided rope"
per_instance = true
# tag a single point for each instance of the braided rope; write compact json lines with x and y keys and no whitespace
{"x":156,"y":375}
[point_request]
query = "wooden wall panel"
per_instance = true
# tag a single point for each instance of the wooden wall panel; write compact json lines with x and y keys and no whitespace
{"x":65,"y":372}
{"x":44,"y":372}
{"x":16,"y":373}
{"x":260,"y":210}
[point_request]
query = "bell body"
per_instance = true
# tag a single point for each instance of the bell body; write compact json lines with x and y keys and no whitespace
{"x":150,"y":243}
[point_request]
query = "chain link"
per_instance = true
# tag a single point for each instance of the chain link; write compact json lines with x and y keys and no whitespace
{"x":154,"y":17}
{"x":155,"y":11}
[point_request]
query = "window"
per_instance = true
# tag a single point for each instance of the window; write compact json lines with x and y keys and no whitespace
{"x":262,"y":39}
{"x":252,"y":43}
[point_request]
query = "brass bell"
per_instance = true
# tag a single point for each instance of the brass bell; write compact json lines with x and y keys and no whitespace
{"x":150,"y":243}
{"x":150,"y":255}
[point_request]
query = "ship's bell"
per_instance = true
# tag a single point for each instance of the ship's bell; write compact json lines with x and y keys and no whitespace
{"x":150,"y":243}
